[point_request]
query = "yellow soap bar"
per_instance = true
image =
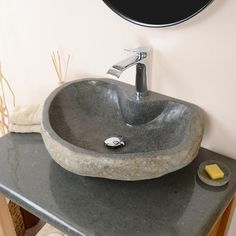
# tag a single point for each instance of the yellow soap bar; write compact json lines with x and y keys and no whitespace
{"x":214,"y":171}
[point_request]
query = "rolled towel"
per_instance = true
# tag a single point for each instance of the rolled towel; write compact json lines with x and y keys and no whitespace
{"x":26,"y":119}
{"x":24,"y":128}
{"x":26,"y":115}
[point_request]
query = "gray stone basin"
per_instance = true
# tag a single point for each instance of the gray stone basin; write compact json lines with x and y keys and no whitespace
{"x":161,"y":134}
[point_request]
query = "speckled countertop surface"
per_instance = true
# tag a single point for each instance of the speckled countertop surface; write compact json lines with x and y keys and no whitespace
{"x":175,"y":204}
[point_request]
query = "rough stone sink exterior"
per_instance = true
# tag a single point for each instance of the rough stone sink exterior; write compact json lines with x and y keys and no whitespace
{"x":161,"y":134}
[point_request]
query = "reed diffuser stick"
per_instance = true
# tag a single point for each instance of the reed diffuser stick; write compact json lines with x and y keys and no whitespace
{"x":67,"y":64}
{"x":56,"y":67}
{"x":4,"y":113}
{"x":56,"y":59}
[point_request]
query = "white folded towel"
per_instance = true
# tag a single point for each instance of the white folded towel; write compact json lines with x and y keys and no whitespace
{"x":26,"y":115}
{"x":26,"y":119}
{"x":24,"y":128}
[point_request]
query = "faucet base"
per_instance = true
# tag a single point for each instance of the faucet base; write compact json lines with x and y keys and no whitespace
{"x":141,"y":94}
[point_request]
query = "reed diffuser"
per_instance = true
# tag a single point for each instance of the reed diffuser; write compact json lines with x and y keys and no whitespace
{"x":56,"y":59}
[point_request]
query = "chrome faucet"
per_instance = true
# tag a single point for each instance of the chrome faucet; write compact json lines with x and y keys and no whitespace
{"x":141,"y":59}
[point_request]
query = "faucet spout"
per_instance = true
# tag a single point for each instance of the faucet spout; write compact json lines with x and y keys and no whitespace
{"x":141,"y":59}
{"x":121,"y":66}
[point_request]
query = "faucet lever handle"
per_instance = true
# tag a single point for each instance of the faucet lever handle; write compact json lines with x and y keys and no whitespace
{"x":140,"y":51}
{"x":131,"y":50}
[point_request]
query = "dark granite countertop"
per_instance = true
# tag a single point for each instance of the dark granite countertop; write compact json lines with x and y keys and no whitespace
{"x":175,"y":204}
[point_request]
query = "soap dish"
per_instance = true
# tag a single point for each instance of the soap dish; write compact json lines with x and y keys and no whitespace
{"x":203,"y":176}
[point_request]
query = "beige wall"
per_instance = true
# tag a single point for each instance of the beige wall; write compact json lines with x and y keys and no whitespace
{"x":194,"y":61}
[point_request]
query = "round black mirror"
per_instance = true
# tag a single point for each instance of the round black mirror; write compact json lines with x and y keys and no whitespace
{"x":157,"y":13}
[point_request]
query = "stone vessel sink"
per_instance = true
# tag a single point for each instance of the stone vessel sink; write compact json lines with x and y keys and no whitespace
{"x":161,"y":134}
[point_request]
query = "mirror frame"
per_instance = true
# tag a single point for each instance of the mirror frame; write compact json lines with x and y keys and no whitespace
{"x":107,"y":2}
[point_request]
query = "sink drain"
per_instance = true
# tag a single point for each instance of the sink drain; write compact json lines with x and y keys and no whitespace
{"x":114,"y":142}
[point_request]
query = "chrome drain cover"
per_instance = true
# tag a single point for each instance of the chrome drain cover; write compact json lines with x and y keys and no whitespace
{"x":114,"y":142}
